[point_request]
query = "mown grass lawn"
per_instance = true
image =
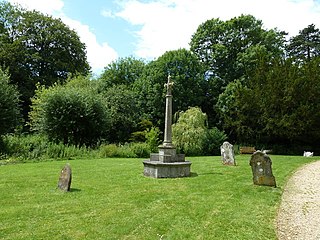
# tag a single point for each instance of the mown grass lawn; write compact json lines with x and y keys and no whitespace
{"x":111,"y":199}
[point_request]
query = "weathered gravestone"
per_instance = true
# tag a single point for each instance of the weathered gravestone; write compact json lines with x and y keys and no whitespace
{"x":261,"y":169}
{"x":227,"y":154}
{"x":65,"y":178}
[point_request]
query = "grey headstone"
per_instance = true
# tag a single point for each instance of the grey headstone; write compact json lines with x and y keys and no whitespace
{"x":65,"y":178}
{"x":227,"y":154}
{"x":261,"y":169}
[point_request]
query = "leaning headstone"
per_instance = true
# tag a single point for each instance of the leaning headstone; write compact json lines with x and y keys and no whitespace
{"x":261,"y":169}
{"x":227,"y":154}
{"x":65,"y":178}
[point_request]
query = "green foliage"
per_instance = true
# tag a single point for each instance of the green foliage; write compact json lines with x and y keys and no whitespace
{"x":228,"y":49}
{"x":131,"y":150}
{"x":214,"y":139}
{"x":306,"y":45}
{"x":121,"y":103}
{"x":279,"y":104}
{"x":72,"y":115}
{"x":9,"y":105}
{"x":23,"y":148}
{"x":123,"y":71}
{"x":112,"y":150}
{"x":219,"y":44}
{"x":189,"y":133}
{"x":152,"y":136}
{"x":140,"y":150}
{"x":37,"y":48}
{"x":189,"y":84}
{"x":140,"y":135}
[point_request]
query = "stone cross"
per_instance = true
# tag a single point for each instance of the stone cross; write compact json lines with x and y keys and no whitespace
{"x":168,"y":114}
{"x":167,"y":163}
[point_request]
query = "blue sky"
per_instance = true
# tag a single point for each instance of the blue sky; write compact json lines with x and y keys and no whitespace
{"x":147,"y":28}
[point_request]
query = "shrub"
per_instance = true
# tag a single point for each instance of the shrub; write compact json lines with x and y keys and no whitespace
{"x":189,"y":132}
{"x":74,"y":115}
{"x":37,"y":147}
{"x":213,"y":140}
{"x":132,"y":150}
{"x":112,"y":150}
{"x":152,"y":136}
{"x":140,"y":150}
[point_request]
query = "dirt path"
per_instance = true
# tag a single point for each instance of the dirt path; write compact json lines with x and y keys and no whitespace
{"x":299,"y":213}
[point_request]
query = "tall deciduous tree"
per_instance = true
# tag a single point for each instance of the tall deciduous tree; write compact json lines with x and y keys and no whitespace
{"x":188,"y":78}
{"x":219,"y":44}
{"x":124,"y":71}
{"x":37,"y":48}
{"x":229,"y":48}
{"x":121,"y":103}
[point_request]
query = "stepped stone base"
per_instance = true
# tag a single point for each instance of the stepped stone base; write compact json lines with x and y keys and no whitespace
{"x":166,"y":164}
{"x":157,"y":169}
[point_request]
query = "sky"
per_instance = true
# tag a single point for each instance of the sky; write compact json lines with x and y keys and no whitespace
{"x":146,"y":29}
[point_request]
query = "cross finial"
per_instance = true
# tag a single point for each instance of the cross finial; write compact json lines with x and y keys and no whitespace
{"x":169,"y":84}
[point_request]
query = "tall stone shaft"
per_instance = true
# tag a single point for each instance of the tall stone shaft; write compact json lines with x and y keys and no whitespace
{"x":168,"y":114}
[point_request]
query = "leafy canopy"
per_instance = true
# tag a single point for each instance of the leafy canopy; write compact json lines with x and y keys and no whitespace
{"x":9,"y":104}
{"x":37,"y":48}
{"x":70,"y":113}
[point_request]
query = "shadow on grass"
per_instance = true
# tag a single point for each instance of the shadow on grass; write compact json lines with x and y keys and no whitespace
{"x":210,"y":173}
{"x":193,"y":174}
{"x":75,"y":190}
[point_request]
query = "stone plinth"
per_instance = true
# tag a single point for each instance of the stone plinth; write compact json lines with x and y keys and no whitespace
{"x":157,"y":169}
{"x":166,"y":164}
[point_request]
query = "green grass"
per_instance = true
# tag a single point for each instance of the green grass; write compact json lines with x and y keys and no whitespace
{"x":111,"y":199}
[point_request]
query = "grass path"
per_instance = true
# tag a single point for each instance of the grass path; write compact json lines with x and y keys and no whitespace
{"x":110,"y":199}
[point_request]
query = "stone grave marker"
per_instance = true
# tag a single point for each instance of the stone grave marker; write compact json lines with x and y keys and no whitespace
{"x":227,"y":154}
{"x":65,"y":178}
{"x":261,"y":169}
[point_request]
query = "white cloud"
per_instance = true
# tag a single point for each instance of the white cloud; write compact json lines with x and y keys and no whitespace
{"x":169,"y":24}
{"x":107,"y":13}
{"x":48,"y":7}
{"x":98,"y":55}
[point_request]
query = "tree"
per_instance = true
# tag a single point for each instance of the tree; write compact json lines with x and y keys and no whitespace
{"x":219,"y":44}
{"x":70,"y":113}
{"x":189,"y":84}
{"x":306,"y":45}
{"x":37,"y":48}
{"x":122,"y":71}
{"x":229,"y":48}
{"x":121,"y":103}
{"x":277,"y":106}
{"x":190,"y":133}
{"x":9,"y":104}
